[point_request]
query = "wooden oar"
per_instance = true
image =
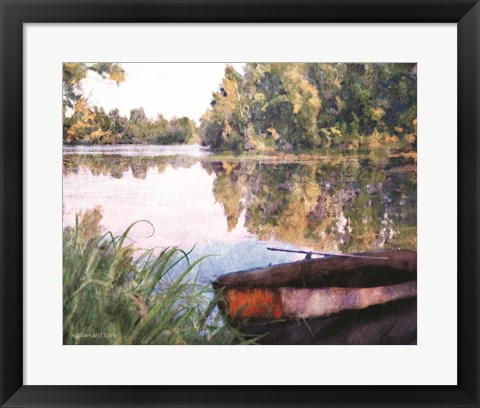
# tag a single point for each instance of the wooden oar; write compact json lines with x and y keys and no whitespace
{"x":310,"y":253}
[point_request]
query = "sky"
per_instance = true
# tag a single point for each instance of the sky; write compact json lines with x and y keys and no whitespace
{"x":172,"y":89}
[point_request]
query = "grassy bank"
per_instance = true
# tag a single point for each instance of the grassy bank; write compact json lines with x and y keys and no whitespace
{"x":114,"y":293}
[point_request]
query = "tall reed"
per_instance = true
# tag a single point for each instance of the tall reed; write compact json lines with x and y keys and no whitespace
{"x":114,"y":293}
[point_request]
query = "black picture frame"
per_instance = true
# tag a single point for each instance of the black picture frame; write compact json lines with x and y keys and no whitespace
{"x":14,"y":13}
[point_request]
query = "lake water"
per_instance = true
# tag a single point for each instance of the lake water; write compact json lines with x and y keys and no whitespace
{"x":236,"y":207}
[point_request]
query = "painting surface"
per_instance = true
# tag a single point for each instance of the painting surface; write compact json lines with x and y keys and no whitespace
{"x":300,"y":176}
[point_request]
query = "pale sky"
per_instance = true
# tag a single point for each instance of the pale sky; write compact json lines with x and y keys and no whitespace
{"x":172,"y":89}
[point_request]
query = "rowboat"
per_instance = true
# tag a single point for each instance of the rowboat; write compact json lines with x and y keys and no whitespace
{"x":361,"y":298}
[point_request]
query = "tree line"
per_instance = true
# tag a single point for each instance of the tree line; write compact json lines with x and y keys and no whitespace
{"x":304,"y":106}
{"x":87,"y":124}
{"x":268,"y":107}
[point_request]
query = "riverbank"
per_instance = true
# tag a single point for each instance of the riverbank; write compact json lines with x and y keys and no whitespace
{"x":114,"y":293}
{"x":204,"y":153}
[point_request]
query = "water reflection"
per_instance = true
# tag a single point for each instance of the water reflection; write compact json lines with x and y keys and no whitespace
{"x":339,"y":205}
{"x":235,"y":208}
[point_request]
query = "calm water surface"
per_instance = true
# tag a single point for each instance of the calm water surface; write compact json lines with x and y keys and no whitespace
{"x":235,"y":208}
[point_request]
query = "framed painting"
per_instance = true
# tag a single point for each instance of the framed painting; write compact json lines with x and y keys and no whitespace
{"x":223,"y":204}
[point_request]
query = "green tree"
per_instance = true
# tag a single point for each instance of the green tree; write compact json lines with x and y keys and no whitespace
{"x":224,"y":124}
{"x":304,"y":106}
{"x":80,"y":122}
{"x":178,"y":131}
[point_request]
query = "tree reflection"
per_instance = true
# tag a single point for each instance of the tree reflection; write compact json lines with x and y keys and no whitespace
{"x":339,"y":203}
{"x":343,"y":204}
{"x":116,"y":166}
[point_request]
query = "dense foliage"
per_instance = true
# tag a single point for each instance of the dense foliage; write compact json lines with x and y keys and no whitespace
{"x":270,"y":107}
{"x":303,"y":106}
{"x":140,"y":129}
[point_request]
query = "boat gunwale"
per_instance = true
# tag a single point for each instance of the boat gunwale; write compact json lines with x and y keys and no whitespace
{"x":328,"y":272}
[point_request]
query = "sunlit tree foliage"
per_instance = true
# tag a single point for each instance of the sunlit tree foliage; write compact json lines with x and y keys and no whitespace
{"x":82,"y":122}
{"x":303,"y":106}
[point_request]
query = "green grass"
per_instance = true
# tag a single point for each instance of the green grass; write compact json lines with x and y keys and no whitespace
{"x":116,"y":294}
